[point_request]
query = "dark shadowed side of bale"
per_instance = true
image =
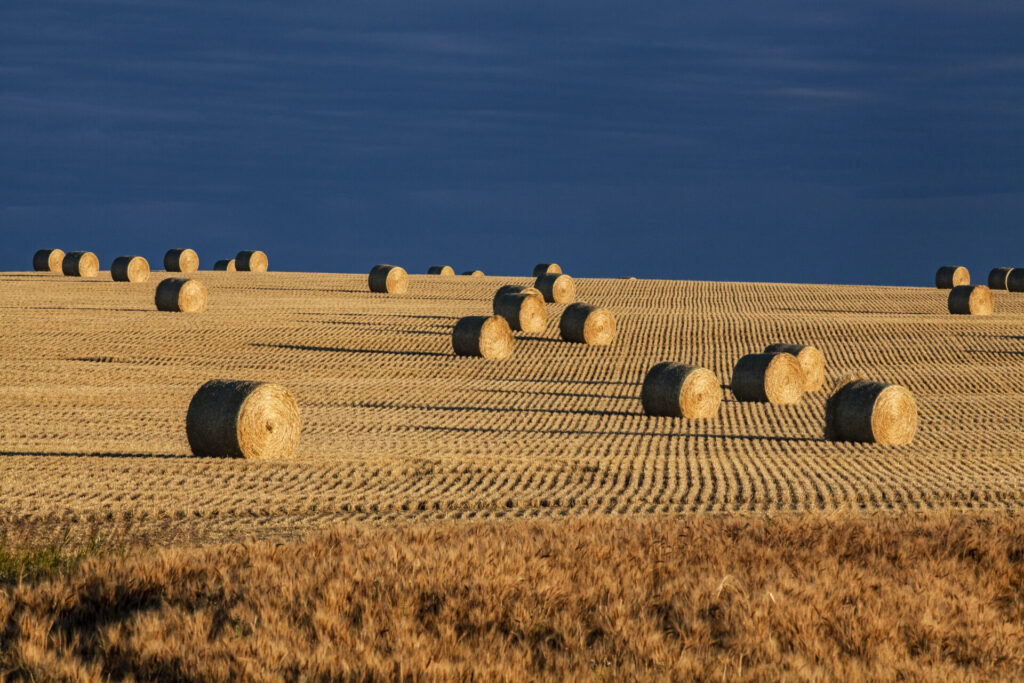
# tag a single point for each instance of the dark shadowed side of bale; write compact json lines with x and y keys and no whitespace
{"x":388,"y":279}
{"x":181,"y":261}
{"x":997,"y":277}
{"x":1015,"y":280}
{"x":523,"y":311}
{"x":48,"y":260}
{"x":239,"y":419}
{"x":447,"y":271}
{"x":546,"y":269}
{"x":677,"y":390}
{"x":181,"y":295}
{"x":129,"y":269}
{"x":871,"y":412}
{"x":252,"y":261}
{"x":948,"y":277}
{"x":81,"y":264}
{"x":586,"y":324}
{"x":227,"y":264}
{"x":556,"y":288}
{"x":970,"y":300}
{"x":480,"y":335}
{"x":768,"y":378}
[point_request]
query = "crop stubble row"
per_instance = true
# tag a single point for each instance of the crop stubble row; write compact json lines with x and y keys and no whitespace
{"x":396,"y":427}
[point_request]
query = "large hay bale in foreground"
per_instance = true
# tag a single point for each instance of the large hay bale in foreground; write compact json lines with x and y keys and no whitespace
{"x":129,"y":269}
{"x":997,"y":277}
{"x":1015,"y":280}
{"x":48,"y":260}
{"x":871,"y":412}
{"x":480,"y":335}
{"x":586,"y":324}
{"x":473,"y":273}
{"x":546,"y":269}
{"x":226,"y":264}
{"x":677,"y":390}
{"x":948,"y":277}
{"x":811,"y":360}
{"x":516,"y":289}
{"x":80,"y":264}
{"x":970,"y":300}
{"x":522,"y":311}
{"x":557,"y":288}
{"x":181,"y":261}
{"x":181,"y":295}
{"x":768,"y":378}
{"x":387,"y":279}
{"x":446,"y":271}
{"x":253,"y":261}
{"x":237,"y":419}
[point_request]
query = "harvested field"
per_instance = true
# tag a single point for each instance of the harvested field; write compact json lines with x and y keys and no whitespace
{"x":95,"y":385}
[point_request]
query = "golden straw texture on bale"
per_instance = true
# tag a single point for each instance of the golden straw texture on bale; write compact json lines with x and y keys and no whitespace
{"x":812,"y":362}
{"x":871,"y":412}
{"x":236,"y":419}
{"x":997,"y":277}
{"x":516,"y":289}
{"x":447,"y":271}
{"x":556,"y":288}
{"x":48,"y":260}
{"x":181,"y":295}
{"x":1015,"y":280}
{"x":253,"y":261}
{"x":970,"y":300}
{"x":586,"y":324}
{"x":81,"y":264}
{"x":474,"y":273}
{"x":677,"y":390}
{"x":948,"y":277}
{"x":181,"y":261}
{"x":768,"y":378}
{"x":387,"y":279}
{"x":225,"y":264}
{"x":523,"y":311}
{"x":479,"y":335}
{"x":129,"y":269}
{"x":546,"y":269}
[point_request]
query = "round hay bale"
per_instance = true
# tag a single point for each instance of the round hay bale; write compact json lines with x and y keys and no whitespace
{"x":586,"y":324}
{"x":556,"y":288}
{"x":1015,"y":280}
{"x":516,"y":289}
{"x":522,"y":311}
{"x":447,"y":271}
{"x":181,"y":261}
{"x":812,"y":362}
{"x":386,"y":279}
{"x":236,"y":419}
{"x":80,"y":264}
{"x":479,"y":335}
{"x":48,"y":260}
{"x":546,"y":269}
{"x":948,"y":277}
{"x":997,"y":277}
{"x":871,"y":412}
{"x":768,"y":378}
{"x":473,"y":273}
{"x":970,"y":300}
{"x":225,"y":264}
{"x":129,"y":269}
{"x":677,"y":390}
{"x":251,"y":261}
{"x":181,"y":295}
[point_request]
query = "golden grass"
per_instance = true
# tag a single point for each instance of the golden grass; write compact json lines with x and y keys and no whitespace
{"x":726,"y":598}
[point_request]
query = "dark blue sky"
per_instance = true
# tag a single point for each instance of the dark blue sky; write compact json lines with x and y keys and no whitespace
{"x":861,"y":141}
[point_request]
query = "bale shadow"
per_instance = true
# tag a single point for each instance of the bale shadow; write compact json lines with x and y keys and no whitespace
{"x":592,"y":432}
{"x":48,"y":454}
{"x":569,"y":394}
{"x":852,"y":311}
{"x":499,"y":409}
{"x":338,"y":349}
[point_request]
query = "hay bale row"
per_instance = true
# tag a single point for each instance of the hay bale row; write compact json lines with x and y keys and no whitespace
{"x":240,"y":419}
{"x":948,"y":277}
{"x":181,"y":295}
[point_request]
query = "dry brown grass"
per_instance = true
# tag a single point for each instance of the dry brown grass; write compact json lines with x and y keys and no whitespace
{"x":724,"y":598}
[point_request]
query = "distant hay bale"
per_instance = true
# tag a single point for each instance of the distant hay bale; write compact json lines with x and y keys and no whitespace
{"x":871,"y":412}
{"x":1015,"y":280}
{"x":556,"y":288}
{"x":546,"y":269}
{"x":447,"y":271}
{"x":586,"y":324}
{"x":970,"y":300}
{"x":181,"y":261}
{"x":181,"y":295}
{"x":768,"y":378}
{"x":387,"y":279}
{"x":948,"y":277}
{"x":677,"y":390}
{"x":225,"y":264}
{"x":236,"y":419}
{"x":516,"y":289}
{"x":522,"y":311}
{"x":80,"y":264}
{"x":48,"y":260}
{"x":473,"y":273}
{"x":479,"y":335}
{"x":997,"y":277}
{"x":812,"y":362}
{"x":254,"y":261}
{"x":129,"y":269}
